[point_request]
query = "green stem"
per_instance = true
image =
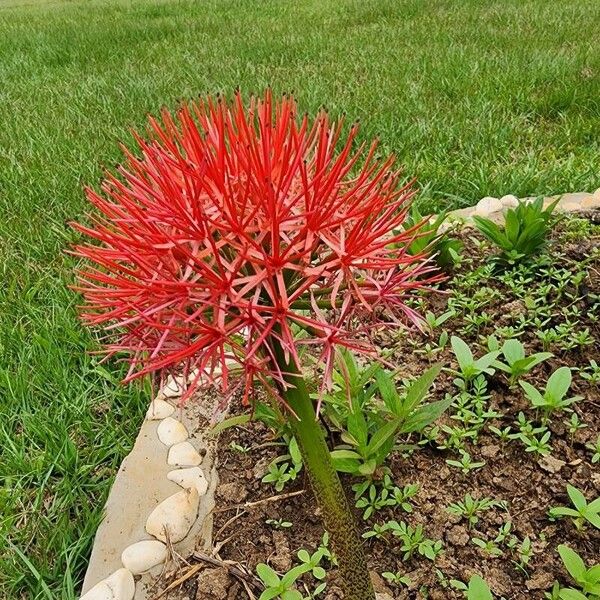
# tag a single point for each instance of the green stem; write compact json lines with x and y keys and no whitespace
{"x":329,"y":493}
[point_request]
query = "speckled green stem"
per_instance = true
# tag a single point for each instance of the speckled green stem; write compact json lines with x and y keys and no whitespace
{"x":335,"y":509}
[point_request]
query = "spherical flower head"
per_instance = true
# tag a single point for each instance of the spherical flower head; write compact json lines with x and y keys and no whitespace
{"x":239,"y":226}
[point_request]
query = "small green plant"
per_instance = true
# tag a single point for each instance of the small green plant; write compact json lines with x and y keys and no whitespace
{"x":595,"y":448}
{"x":588,"y":580}
{"x":396,"y":578}
{"x":524,"y":233}
{"x":574,"y":425}
{"x":582,"y":512}
{"x":445,"y":248}
{"x":278,"y":475}
{"x":477,"y":589}
{"x":517,"y":364}
{"x":239,"y":448}
{"x":375,"y":500}
{"x":312,"y":563}
{"x":553,"y":398}
{"x":414,"y":540}
{"x":466,"y":463}
{"x":401,"y":496}
{"x":470,"y":508}
{"x":539,"y":445}
{"x":468,"y":367}
{"x":591,"y":373}
{"x":278,"y":523}
{"x":369,"y":434}
{"x":525,"y":553}
{"x":279,"y":587}
{"x":488,"y":546}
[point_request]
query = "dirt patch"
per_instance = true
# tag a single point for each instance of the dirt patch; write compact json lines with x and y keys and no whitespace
{"x":523,"y":485}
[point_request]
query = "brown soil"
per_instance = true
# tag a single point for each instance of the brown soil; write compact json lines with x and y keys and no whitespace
{"x":529,"y":483}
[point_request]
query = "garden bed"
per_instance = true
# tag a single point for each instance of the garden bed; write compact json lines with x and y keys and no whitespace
{"x":560,"y":292}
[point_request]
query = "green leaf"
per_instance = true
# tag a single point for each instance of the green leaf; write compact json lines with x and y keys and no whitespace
{"x":267,"y":575}
{"x":577,"y":498}
{"x":227,"y":423}
{"x":559,"y":382}
{"x":571,"y":594}
{"x":388,"y":392}
{"x":463,"y":354}
{"x":419,"y":388}
{"x":513,"y":350}
{"x":478,"y":589}
{"x":534,"y":395}
{"x":425,"y":415}
{"x":291,"y":595}
{"x":573,"y":562}
{"x":270,"y":593}
{"x":382,"y":435}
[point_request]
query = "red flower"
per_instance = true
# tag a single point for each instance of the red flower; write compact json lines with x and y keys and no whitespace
{"x":238,"y":225}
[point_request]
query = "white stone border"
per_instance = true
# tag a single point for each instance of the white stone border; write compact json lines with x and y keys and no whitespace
{"x":171,"y":519}
{"x":495,"y":208}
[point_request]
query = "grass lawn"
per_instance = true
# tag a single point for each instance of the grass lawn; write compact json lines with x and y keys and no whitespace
{"x":476,"y":98}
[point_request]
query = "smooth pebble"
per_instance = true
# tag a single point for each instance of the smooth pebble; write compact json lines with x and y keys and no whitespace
{"x":159,"y":409}
{"x":183,"y":455}
{"x":176,"y":515}
{"x":144,"y":555}
{"x":187,"y":478}
{"x":171,"y":431}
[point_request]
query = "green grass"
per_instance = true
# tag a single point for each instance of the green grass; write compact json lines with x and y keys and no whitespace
{"x":475,"y":97}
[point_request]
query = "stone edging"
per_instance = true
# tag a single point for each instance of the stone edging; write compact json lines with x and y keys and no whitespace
{"x":494,"y":208}
{"x":159,"y":504}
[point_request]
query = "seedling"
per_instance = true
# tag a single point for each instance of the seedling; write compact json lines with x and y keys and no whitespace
{"x":468,"y":367}
{"x":489,"y":547}
{"x":377,"y":531}
{"x":311,"y":563}
{"x":588,"y":580}
{"x":517,"y":364}
{"x":525,"y":553}
{"x":524,"y":233}
{"x":582,"y":512}
{"x":374,"y":501}
{"x":503,"y":434}
{"x":279,"y":587}
{"x":591,"y":373}
{"x":402,"y":495}
{"x":465,"y":464}
{"x":397,"y":578}
{"x":553,"y":398}
{"x":595,"y":448}
{"x":278,"y":523}
{"x":477,"y":589}
{"x":414,"y":540}
{"x":239,"y":448}
{"x":279,"y":475}
{"x":534,"y":444}
{"x":574,"y":425}
{"x":469,"y":508}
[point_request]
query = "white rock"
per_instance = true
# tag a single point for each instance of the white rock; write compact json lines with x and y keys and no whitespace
{"x":176,"y":515}
{"x":509,"y":201}
{"x":173,"y":388}
{"x":144,"y":555}
{"x":488,"y":205}
{"x":159,"y":409}
{"x":591,"y":201}
{"x":183,"y":455}
{"x":99,"y":592}
{"x":188,"y":478}
{"x":171,"y":431}
{"x":119,"y":586}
